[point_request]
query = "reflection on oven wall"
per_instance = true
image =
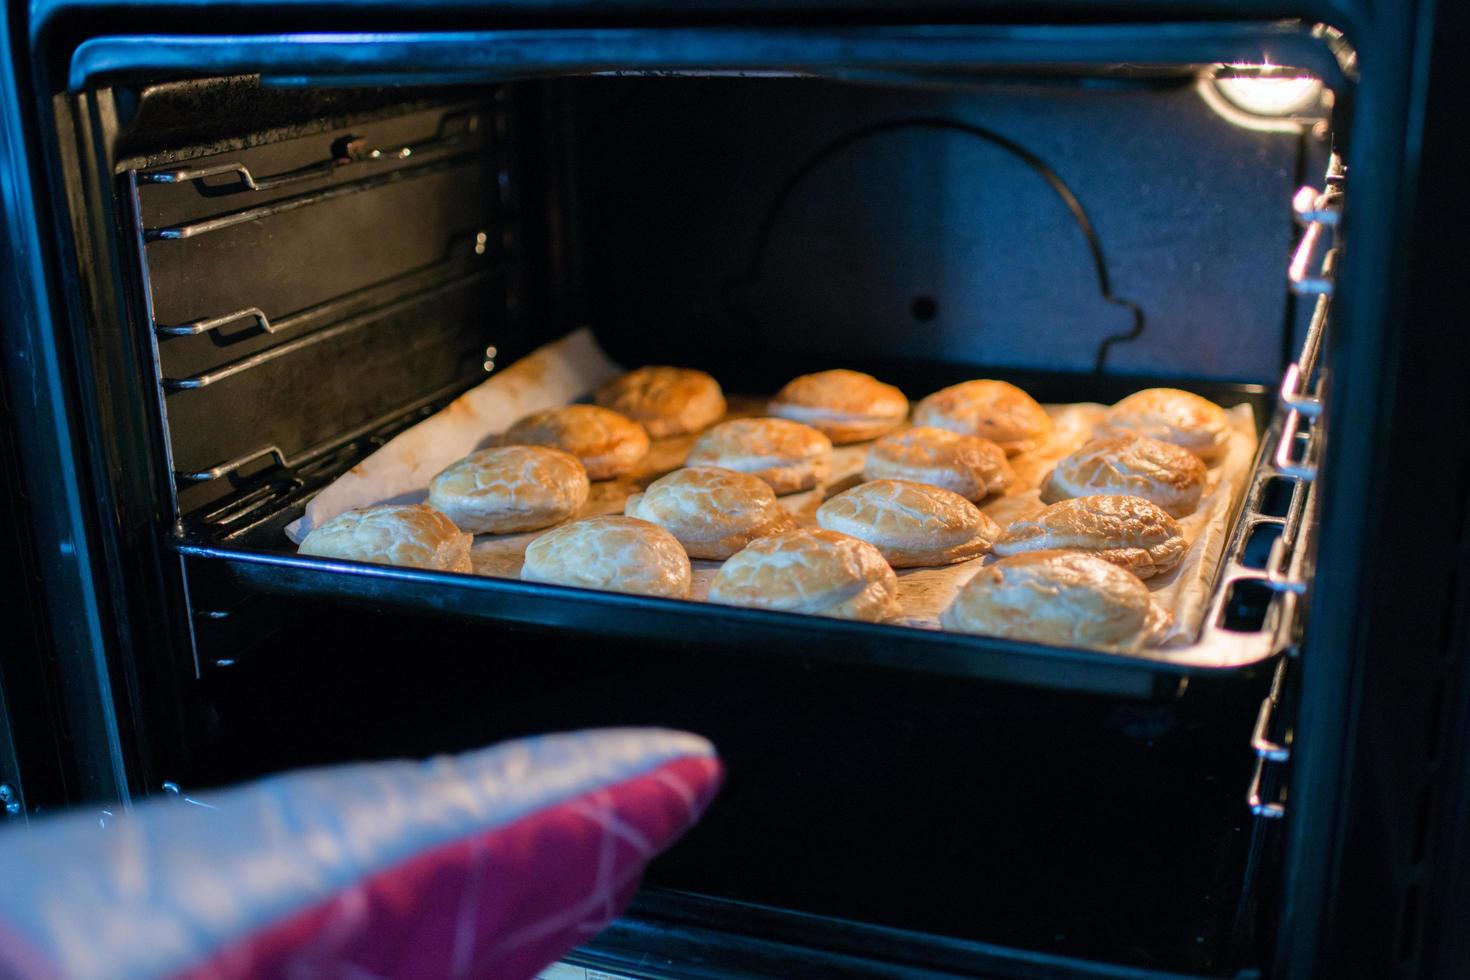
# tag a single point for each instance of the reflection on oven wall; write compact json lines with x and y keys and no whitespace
{"x":956,"y":249}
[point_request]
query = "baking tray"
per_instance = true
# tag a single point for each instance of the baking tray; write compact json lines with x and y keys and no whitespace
{"x":1245,"y":624}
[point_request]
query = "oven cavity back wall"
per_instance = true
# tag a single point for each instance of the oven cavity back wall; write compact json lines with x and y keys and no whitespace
{"x":867,"y":222}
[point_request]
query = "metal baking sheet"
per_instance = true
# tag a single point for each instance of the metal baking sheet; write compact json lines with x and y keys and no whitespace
{"x":570,"y":368}
{"x":263,"y":559}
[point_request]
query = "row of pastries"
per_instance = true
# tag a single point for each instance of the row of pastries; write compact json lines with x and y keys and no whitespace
{"x":1071,"y":573}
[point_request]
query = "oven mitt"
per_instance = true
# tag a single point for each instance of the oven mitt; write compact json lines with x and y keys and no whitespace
{"x":487,"y":864}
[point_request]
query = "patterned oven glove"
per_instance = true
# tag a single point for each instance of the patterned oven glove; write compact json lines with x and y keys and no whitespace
{"x":488,"y":864}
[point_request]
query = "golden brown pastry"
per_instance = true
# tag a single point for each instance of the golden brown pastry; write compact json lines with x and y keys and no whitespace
{"x":1130,"y":465}
{"x":787,"y":455}
{"x":713,"y":512}
{"x":810,"y":571}
{"x":847,"y":406}
{"x":1169,"y":415}
{"x":612,"y":553}
{"x":414,"y":535}
{"x":668,"y":401}
{"x":912,"y":524}
{"x":1065,"y":598}
{"x":970,"y":466}
{"x":608,"y":444}
{"x":994,"y":410}
{"x":511,"y":488}
{"x":1130,"y":532}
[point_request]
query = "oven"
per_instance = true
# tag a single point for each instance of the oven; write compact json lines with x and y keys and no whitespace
{"x":251,"y":245}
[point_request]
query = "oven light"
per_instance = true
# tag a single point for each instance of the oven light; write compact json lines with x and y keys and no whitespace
{"x":1270,"y":95}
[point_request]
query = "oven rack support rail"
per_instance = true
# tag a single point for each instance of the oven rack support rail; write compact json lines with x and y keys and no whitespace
{"x":438,"y":287}
{"x":468,"y":261}
{"x":325,"y":310}
{"x":347,"y":152}
{"x":454,"y":130}
{"x":1318,"y":212}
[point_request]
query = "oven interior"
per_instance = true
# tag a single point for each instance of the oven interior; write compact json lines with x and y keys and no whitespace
{"x":308,"y":270}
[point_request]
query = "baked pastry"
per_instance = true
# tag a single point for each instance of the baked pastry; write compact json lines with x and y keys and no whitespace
{"x":668,"y":401}
{"x":912,"y":524}
{"x":810,"y":571}
{"x":1064,"y":598}
{"x":787,"y":455}
{"x":713,"y":512}
{"x":970,"y":466}
{"x":1169,"y":415}
{"x":613,"y":553}
{"x":414,"y":535}
{"x":1136,"y":466}
{"x":1130,"y":532}
{"x":608,"y":444}
{"x":511,"y":488}
{"x":847,"y":406}
{"x":994,"y":410}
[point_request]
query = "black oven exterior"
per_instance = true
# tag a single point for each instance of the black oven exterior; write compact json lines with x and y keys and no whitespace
{"x":1374,"y":875}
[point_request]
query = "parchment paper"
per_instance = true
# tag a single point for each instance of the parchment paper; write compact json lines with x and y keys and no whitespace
{"x":400,"y":472}
{"x":572,"y":367}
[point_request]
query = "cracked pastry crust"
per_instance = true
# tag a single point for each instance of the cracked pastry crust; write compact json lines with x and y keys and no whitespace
{"x":1169,"y":415}
{"x":787,"y":455}
{"x":668,"y":401}
{"x":1131,"y":465}
{"x":1130,"y":532}
{"x":846,"y":406}
{"x":1065,"y":598}
{"x":608,"y":444}
{"x":612,"y":553}
{"x":994,"y":410}
{"x":813,"y":571}
{"x":713,"y":512}
{"x":970,"y":466}
{"x":510,"y":488}
{"x":911,"y":524}
{"x":414,"y":535}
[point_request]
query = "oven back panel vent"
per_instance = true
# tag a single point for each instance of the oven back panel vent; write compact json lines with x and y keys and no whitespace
{"x":301,"y":294}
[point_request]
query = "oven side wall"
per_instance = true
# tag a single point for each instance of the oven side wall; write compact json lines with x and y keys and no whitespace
{"x":71,"y":682}
{"x":1388,"y":688}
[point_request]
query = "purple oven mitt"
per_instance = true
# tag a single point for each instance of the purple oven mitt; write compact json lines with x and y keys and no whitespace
{"x":488,"y":864}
